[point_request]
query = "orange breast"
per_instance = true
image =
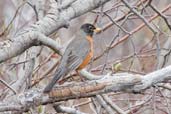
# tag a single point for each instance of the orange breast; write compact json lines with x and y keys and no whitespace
{"x":89,"y":55}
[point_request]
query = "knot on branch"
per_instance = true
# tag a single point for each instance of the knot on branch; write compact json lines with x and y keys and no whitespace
{"x":30,"y":98}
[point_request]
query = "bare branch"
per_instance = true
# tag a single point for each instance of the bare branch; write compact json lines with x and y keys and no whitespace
{"x":102,"y":102}
{"x":140,"y":16}
{"x":113,"y":105}
{"x":115,"y":83}
{"x":63,"y":109}
{"x":50,"y":23}
{"x":161,"y":15}
{"x":18,"y":45}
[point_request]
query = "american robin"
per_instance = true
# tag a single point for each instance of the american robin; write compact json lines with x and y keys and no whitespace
{"x":77,"y":54}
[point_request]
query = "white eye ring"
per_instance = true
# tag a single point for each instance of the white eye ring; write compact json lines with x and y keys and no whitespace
{"x":90,"y":28}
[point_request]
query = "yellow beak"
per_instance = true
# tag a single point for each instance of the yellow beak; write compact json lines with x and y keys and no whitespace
{"x":97,"y":30}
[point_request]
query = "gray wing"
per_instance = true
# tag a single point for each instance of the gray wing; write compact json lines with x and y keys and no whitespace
{"x":75,"y":53}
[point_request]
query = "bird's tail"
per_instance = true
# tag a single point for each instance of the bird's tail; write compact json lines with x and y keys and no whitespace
{"x":60,"y":72}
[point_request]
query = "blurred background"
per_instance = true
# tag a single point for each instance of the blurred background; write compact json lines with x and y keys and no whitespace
{"x":125,"y":44}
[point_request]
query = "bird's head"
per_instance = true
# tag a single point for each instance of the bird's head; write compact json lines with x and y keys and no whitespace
{"x":89,"y":29}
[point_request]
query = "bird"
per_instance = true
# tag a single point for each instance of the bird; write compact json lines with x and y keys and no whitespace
{"x":77,"y":55}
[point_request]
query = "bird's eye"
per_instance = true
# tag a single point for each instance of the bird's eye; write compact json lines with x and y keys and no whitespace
{"x":90,"y":27}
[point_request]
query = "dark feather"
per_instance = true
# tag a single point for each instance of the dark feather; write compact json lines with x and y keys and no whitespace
{"x":59,"y":73}
{"x":74,"y":55}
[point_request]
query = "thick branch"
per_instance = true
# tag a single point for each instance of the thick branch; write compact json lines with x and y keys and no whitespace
{"x":54,"y":20}
{"x":115,"y":83}
{"x":16,"y":46}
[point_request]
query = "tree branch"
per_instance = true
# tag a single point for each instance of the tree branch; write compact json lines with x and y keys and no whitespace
{"x":115,"y":83}
{"x":13,"y":47}
{"x":54,"y":20}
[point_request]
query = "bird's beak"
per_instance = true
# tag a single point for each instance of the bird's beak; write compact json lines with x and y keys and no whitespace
{"x":97,"y":30}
